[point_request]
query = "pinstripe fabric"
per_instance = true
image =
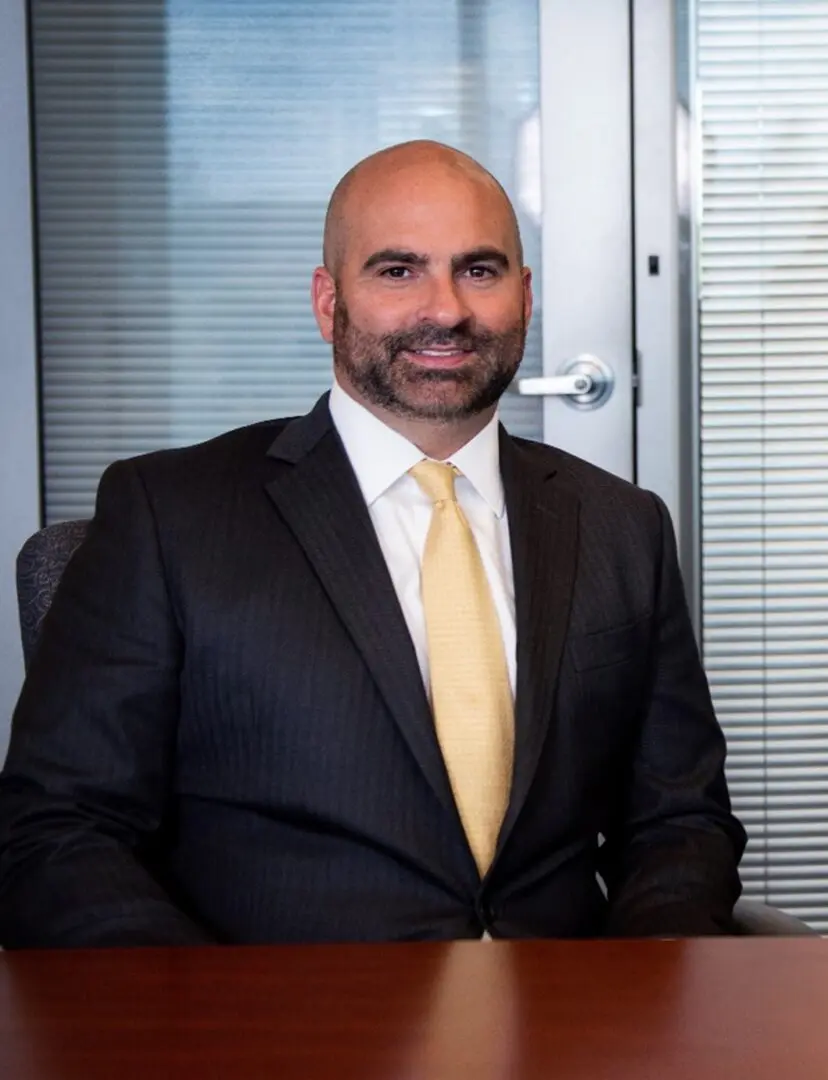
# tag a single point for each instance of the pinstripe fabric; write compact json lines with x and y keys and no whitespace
{"x":224,"y":734}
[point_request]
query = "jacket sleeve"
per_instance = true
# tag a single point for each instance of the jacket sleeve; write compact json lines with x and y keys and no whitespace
{"x":88,"y":780}
{"x":671,"y":871}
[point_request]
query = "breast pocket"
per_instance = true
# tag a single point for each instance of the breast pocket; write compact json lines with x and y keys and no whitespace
{"x":611,"y":647}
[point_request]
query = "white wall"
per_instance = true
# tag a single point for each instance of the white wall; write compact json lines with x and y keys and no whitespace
{"x":19,"y":442}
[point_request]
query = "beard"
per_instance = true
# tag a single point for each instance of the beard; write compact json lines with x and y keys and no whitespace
{"x":376,"y":367}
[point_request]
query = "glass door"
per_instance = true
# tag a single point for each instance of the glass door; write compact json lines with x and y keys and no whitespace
{"x":586,"y":293}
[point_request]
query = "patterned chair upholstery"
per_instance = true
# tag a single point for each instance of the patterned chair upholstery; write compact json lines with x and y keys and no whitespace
{"x":43,"y":559}
{"x":40,"y":564}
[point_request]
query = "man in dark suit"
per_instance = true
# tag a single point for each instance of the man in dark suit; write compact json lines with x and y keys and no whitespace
{"x":289,"y":690}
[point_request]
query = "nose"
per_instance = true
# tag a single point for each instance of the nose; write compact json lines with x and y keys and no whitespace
{"x":444,"y":303}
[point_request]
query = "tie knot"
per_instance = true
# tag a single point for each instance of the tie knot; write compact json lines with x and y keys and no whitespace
{"x":436,"y":479}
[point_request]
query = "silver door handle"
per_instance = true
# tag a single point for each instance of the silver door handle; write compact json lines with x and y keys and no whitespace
{"x":555,"y":385}
{"x":584,"y":383}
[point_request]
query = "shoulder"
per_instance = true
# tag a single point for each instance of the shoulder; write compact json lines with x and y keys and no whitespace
{"x":189,"y":500}
{"x":242,"y":451}
{"x":241,"y":444}
{"x":193,"y":483}
{"x":594,"y":487}
{"x":618,"y":522}
{"x":624,"y":532}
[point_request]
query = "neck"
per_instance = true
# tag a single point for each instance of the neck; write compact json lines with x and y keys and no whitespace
{"x":438,"y":439}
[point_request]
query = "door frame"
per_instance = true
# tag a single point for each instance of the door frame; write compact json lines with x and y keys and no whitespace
{"x":19,"y":402}
{"x":667,"y":445}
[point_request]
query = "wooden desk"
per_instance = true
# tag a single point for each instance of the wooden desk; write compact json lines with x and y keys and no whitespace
{"x":735,"y":1009}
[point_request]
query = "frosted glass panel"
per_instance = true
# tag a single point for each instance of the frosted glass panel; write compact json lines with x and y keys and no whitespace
{"x":185,"y":154}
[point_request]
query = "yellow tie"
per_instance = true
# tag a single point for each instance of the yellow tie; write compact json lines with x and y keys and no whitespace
{"x":470,"y":692}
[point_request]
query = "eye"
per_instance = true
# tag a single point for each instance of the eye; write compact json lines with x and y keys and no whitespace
{"x":396,"y":273}
{"x":480,"y":272}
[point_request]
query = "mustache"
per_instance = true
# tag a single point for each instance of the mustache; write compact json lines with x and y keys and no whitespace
{"x":429,"y":336}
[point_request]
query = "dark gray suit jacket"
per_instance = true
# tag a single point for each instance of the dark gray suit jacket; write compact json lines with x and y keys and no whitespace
{"x":224,"y":733}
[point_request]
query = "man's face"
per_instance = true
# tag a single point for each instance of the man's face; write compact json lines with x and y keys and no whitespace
{"x":430,"y":303}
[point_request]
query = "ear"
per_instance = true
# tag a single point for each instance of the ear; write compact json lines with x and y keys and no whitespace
{"x":323,"y":299}
{"x":526,"y":274}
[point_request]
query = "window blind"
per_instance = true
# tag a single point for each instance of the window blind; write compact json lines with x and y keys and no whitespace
{"x":185,"y":151}
{"x":762,"y":77}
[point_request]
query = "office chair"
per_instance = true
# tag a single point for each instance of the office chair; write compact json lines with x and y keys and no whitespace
{"x":41,"y":562}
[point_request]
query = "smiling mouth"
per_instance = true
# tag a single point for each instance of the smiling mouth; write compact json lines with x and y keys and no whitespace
{"x":445,"y":357}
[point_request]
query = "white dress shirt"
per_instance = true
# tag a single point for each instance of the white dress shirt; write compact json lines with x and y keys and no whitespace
{"x":401,"y":512}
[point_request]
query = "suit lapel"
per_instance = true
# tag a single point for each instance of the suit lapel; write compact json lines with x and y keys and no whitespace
{"x":543,"y":530}
{"x":317,"y":494}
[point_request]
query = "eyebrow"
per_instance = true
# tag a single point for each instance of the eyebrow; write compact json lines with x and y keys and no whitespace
{"x":458,"y":262}
{"x":395,"y":255}
{"x":481,"y":255}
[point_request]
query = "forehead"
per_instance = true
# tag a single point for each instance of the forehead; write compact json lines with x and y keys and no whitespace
{"x":438,"y":211}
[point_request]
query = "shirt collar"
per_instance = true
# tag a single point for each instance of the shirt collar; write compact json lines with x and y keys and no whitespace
{"x":380,"y":456}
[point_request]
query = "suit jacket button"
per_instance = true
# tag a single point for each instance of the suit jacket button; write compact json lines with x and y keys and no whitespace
{"x":487,"y":913}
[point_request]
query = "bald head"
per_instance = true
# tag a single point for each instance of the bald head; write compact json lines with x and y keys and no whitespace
{"x":423,"y":295}
{"x":414,"y":167}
